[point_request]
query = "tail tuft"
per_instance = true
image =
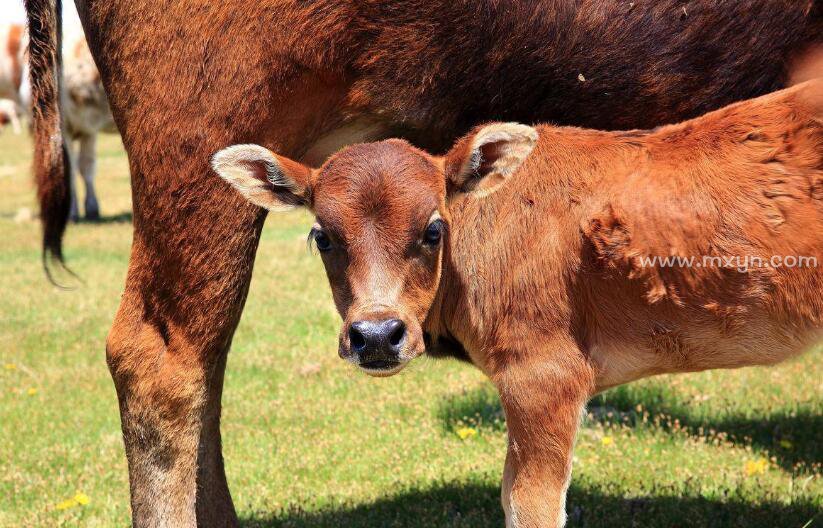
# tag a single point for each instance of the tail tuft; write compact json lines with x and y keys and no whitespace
{"x":51,"y":160}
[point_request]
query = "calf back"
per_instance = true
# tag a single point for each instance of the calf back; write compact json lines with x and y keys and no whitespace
{"x":576,"y":232}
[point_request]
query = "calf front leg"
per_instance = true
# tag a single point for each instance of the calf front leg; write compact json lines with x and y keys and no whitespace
{"x":543,"y":401}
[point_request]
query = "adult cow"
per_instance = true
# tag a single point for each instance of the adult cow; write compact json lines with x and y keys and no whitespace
{"x":185,"y":79}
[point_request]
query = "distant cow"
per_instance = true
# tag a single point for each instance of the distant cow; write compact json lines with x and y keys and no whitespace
{"x":86,"y":113}
{"x":13,"y":72}
{"x":186,"y":79}
{"x":85,"y":107}
{"x":605,"y":258}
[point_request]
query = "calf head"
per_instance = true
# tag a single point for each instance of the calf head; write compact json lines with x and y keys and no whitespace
{"x":382,"y":221}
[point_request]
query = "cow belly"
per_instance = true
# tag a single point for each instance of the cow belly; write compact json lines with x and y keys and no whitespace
{"x":360,"y":130}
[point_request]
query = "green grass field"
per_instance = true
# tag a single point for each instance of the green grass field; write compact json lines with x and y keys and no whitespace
{"x":309,"y":442}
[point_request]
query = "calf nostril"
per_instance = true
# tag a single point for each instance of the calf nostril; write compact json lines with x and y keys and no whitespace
{"x":398,"y":333}
{"x":358,"y":341}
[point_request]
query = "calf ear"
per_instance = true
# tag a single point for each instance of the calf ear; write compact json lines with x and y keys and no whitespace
{"x":264,"y":178}
{"x":484,"y":159}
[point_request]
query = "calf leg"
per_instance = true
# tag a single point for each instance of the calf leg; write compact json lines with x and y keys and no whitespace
{"x":543,"y":401}
{"x":86,"y":165}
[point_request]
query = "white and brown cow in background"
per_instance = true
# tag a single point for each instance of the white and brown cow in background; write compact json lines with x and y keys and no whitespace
{"x":85,"y":107}
{"x":85,"y":114}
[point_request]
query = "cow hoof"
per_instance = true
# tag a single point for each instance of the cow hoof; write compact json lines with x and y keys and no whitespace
{"x":93,"y":216}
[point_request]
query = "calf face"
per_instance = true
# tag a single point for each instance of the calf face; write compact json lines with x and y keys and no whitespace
{"x":382,"y":223}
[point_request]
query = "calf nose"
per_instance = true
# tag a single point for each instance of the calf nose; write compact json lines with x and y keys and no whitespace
{"x":381,"y":339}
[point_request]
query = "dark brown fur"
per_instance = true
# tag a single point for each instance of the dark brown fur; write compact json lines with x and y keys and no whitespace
{"x":427,"y":70}
{"x":50,"y":155}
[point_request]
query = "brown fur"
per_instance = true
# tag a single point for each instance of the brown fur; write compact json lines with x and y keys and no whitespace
{"x":543,"y":281}
{"x":313,"y":77}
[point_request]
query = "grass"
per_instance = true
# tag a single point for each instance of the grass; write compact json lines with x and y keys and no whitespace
{"x":309,"y":442}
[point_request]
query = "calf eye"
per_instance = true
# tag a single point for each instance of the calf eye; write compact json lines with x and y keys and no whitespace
{"x":433,"y":233}
{"x":322,"y":241}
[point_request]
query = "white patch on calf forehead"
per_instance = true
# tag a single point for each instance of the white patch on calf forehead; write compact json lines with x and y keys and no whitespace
{"x":381,"y":289}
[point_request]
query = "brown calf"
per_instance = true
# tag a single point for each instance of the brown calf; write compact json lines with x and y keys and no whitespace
{"x":554,"y":277}
{"x":186,"y":78}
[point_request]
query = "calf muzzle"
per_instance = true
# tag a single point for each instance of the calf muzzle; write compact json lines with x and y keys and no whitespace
{"x":377,"y":345}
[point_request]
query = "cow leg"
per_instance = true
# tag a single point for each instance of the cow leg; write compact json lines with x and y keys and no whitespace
{"x":15,"y":123}
{"x":214,"y":506}
{"x":74,"y":211}
{"x":543,"y":402}
{"x":187,"y":282}
{"x":86,"y":165}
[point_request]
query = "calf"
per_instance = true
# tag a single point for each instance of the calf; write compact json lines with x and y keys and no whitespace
{"x":560,"y":278}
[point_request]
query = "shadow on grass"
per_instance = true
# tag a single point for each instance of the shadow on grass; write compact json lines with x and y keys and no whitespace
{"x":119,"y":218}
{"x":791,"y":436}
{"x":479,"y":408}
{"x":478,"y":506}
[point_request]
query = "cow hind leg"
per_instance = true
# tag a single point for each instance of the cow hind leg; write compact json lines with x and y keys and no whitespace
{"x":86,"y":164}
{"x":167,"y":352}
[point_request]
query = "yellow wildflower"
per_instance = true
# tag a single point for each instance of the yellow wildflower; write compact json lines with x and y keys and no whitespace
{"x":31,"y":392}
{"x":785,"y":444}
{"x":607,"y":441}
{"x":66,"y":504}
{"x":756,"y":467}
{"x":81,"y":498}
{"x":10,"y":366}
{"x":466,"y":432}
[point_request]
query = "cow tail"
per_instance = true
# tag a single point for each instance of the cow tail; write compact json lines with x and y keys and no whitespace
{"x":51,"y":160}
